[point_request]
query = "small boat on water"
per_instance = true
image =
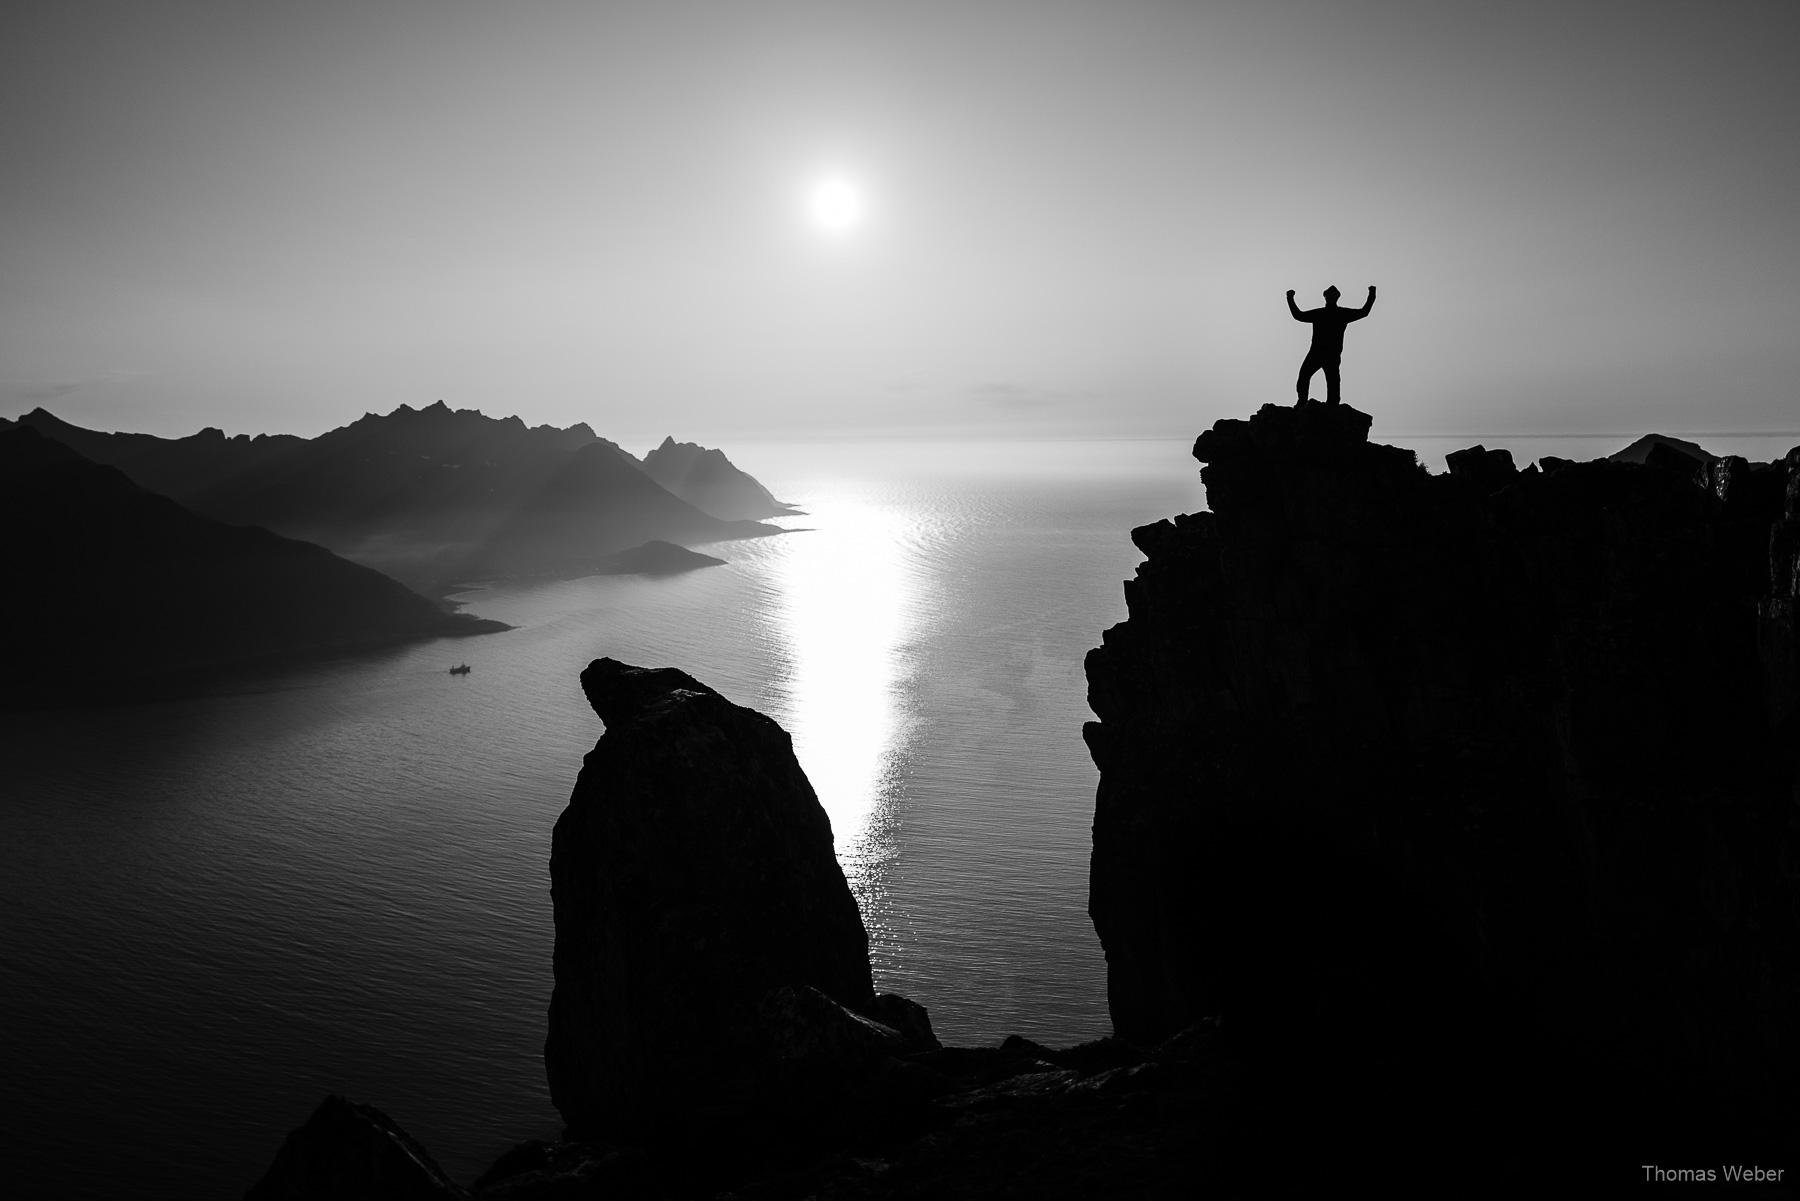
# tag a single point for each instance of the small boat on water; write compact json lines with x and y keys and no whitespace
{"x":461,"y":669}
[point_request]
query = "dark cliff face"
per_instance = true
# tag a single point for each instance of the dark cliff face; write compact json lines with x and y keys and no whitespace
{"x":1491,"y":771}
{"x":697,"y":897}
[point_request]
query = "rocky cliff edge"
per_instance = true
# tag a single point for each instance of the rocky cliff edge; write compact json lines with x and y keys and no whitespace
{"x":1466,"y":801}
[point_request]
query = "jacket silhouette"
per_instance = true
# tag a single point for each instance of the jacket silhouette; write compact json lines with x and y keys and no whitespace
{"x":1327,"y":341}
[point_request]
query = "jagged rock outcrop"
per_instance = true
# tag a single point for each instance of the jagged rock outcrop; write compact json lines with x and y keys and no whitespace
{"x":351,"y":1152}
{"x":707,"y":945}
{"x":1474,"y":794}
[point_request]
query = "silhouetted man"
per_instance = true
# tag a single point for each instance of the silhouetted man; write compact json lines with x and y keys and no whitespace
{"x":1328,"y":339}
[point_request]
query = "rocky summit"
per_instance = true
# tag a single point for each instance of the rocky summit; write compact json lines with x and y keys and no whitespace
{"x":1468,"y":802}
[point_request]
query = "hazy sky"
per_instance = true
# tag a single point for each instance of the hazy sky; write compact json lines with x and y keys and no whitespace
{"x":1077,"y":216}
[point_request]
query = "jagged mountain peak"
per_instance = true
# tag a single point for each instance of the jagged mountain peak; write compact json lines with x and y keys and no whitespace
{"x":704,"y":477}
{"x":43,"y":419}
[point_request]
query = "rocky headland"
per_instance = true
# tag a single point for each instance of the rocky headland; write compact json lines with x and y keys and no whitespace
{"x":656,"y":557}
{"x":1445,"y":845}
{"x":705,"y":478}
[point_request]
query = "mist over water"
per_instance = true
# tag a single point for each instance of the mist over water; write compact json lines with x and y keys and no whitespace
{"x":216,"y":909}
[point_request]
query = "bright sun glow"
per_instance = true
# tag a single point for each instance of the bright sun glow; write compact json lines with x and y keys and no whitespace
{"x":835,"y":205}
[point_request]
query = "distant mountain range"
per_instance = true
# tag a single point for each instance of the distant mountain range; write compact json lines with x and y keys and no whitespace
{"x":141,"y":558}
{"x":115,"y":588}
{"x":434,"y":496}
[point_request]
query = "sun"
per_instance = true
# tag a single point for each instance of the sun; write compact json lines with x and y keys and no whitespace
{"x":835,"y":204}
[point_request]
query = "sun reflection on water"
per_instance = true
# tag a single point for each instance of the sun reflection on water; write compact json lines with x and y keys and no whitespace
{"x":847,"y":598}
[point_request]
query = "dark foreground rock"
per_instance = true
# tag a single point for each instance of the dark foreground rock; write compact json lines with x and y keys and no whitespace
{"x":957,"y":1124}
{"x":1105,"y":1119}
{"x":699,"y":908}
{"x":350,"y":1152}
{"x":714,"y":1031}
{"x":1467,"y":800}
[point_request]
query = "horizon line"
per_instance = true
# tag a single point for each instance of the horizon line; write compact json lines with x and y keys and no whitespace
{"x":1619,"y":434}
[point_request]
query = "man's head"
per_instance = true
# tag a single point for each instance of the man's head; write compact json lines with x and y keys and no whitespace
{"x":1331,"y":295}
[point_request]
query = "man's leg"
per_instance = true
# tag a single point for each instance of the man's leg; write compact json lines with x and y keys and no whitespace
{"x":1308,"y":365}
{"x":1331,"y":381}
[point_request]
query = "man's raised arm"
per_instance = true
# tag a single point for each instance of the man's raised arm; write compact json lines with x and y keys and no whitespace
{"x":1364,"y":311}
{"x":1294,"y":308}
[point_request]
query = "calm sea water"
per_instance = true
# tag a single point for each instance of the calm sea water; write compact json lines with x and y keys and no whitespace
{"x":214,"y":910}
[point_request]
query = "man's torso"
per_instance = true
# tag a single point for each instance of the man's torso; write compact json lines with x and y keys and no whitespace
{"x":1328,"y":328}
